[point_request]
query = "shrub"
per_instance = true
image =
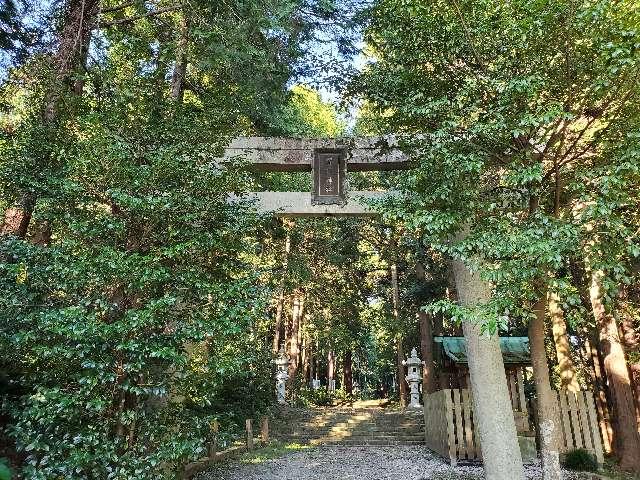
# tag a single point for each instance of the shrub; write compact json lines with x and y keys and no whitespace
{"x":581,"y":460}
{"x":5,"y":471}
{"x":320,"y":397}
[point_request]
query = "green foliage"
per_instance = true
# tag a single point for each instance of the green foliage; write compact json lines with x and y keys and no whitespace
{"x":580,"y":460}
{"x":137,"y":317}
{"x":307,"y":115}
{"x":147,"y":333}
{"x":531,"y":152}
{"x":5,"y":471}
{"x":309,"y":397}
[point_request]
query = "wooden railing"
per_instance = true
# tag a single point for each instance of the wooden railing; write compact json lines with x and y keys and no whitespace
{"x":215,"y":455}
{"x":450,"y":432}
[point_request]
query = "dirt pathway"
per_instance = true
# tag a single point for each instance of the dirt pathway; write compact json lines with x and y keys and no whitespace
{"x":353,"y":463}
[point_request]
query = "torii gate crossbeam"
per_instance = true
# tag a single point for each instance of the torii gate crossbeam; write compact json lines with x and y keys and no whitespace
{"x":357,"y":154}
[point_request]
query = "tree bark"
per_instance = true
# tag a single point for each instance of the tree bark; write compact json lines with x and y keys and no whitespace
{"x":402,"y":384}
{"x":426,"y":343}
{"x":599,"y":387}
{"x":17,"y":217}
{"x":307,"y":359}
{"x":280,"y":305}
{"x":347,"y":369}
{"x":288,"y":324}
{"x":79,"y":21}
{"x":547,"y":405}
{"x":496,"y":430}
{"x":180,"y":67}
{"x":627,"y":437}
{"x":294,"y":347}
{"x":429,"y":384}
{"x":631,"y":344}
{"x":312,"y":363}
{"x":568,"y":377}
{"x":301,"y":319}
{"x":331,"y":367}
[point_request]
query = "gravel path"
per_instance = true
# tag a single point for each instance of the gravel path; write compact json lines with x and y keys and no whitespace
{"x":354,"y":463}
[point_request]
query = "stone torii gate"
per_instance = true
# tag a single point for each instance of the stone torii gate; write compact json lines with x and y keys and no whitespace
{"x":329,"y":160}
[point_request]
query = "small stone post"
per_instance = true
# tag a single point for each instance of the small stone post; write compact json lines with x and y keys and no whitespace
{"x":249,"y":435}
{"x":414,"y":377}
{"x":282,"y":365}
{"x":213,"y":445}
{"x":264,"y":430}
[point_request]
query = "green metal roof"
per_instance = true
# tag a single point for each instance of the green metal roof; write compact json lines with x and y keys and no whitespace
{"x":514,"y":349}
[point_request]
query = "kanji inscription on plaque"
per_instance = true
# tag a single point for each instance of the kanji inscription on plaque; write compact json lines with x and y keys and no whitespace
{"x":328,"y":177}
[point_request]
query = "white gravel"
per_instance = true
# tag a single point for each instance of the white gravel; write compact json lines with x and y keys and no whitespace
{"x":355,"y":463}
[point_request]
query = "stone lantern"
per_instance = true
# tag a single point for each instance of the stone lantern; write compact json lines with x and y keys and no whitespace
{"x":414,"y":377}
{"x":282,"y":375}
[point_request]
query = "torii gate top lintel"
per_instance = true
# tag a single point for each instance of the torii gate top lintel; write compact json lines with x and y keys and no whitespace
{"x":329,"y":159}
{"x":281,"y":154}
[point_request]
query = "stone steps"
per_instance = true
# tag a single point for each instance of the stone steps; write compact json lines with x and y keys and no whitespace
{"x":350,"y":427}
{"x":399,"y":438}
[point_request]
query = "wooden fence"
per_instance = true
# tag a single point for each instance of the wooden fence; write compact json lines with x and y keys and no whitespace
{"x":436,"y":414}
{"x":580,"y":428}
{"x":449,"y":428}
{"x":450,"y":431}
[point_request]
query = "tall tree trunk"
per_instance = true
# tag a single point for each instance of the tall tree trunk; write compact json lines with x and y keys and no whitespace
{"x":600,"y":389}
{"x":568,"y":377}
{"x":627,"y":438}
{"x":402,"y":384}
{"x":73,"y":41}
{"x":180,"y":67}
{"x":294,"y":347}
{"x":288,"y":324}
{"x":80,"y":18}
{"x":301,"y":319}
{"x":331,"y":368}
{"x":547,"y":405}
{"x":429,"y":384}
{"x":303,"y":341}
{"x":631,"y":344}
{"x":347,"y":369}
{"x":496,"y":431}
{"x":307,"y":359}
{"x":280,"y":305}
{"x":426,"y":343}
{"x":312,"y":361}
